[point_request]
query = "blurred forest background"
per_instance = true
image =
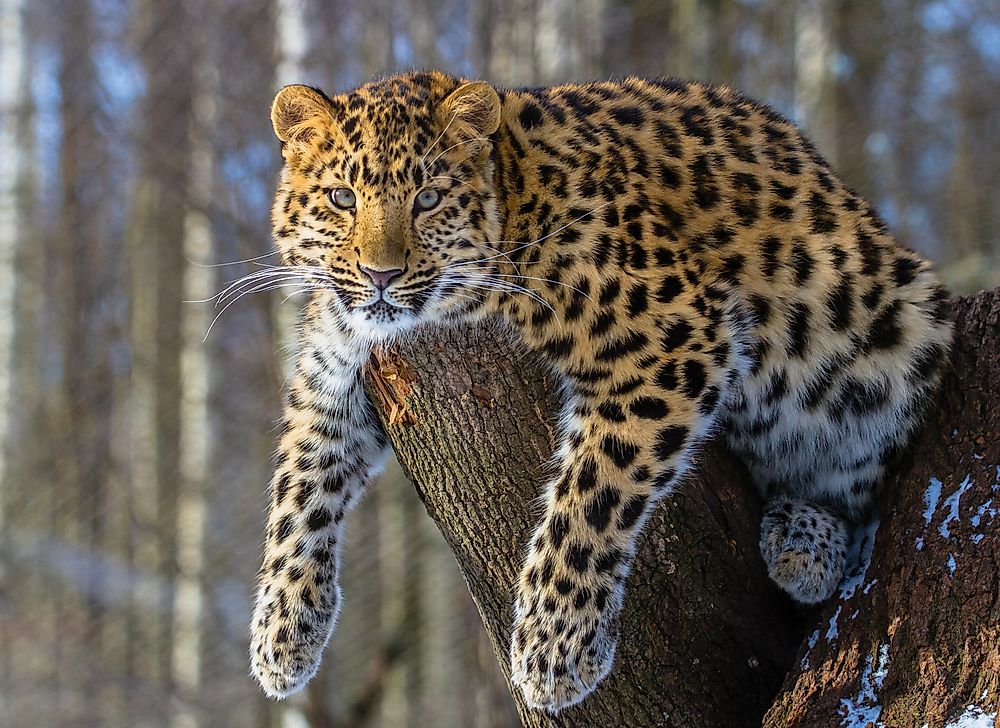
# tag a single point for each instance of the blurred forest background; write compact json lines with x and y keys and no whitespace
{"x":136,"y":151}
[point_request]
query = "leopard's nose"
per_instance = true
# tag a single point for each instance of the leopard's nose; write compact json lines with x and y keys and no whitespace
{"x":382,"y":278}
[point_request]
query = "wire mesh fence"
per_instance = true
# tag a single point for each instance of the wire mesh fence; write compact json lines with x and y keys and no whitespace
{"x":136,"y":168}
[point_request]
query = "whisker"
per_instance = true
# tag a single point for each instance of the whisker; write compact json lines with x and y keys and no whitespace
{"x":522,"y":246}
{"x":306,"y":289}
{"x":537,"y":278}
{"x":439,"y":137}
{"x":453,"y":146}
{"x":469,"y":296}
{"x":259,"y":286}
{"x":269,"y":287}
{"x":488,"y":283}
{"x":271,"y":272}
{"x":234,"y":262}
{"x":502,"y":254}
{"x":235,"y":285}
{"x":490,"y":286}
{"x":266,"y":285}
{"x":505,"y":255}
{"x":573,"y":222}
{"x":254,"y":279}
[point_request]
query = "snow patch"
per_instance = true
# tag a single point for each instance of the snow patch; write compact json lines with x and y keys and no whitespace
{"x":973,"y":717}
{"x":951,"y":504}
{"x":832,"y":632}
{"x":861,"y":546}
{"x":864,"y":709}
{"x":813,"y":639}
{"x":986,"y":512}
{"x":931,"y":497}
{"x":982,"y":511}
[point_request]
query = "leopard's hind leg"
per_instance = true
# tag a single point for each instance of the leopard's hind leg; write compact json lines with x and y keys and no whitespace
{"x":804,"y":546}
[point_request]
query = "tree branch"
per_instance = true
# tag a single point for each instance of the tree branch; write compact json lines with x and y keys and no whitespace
{"x":701,"y":618}
{"x":706,"y":638}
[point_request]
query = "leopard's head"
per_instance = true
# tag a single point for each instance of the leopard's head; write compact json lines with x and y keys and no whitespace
{"x":387,"y":202}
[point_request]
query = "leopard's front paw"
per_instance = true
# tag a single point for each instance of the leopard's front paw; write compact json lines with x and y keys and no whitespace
{"x":559,"y":653}
{"x":287,"y":639}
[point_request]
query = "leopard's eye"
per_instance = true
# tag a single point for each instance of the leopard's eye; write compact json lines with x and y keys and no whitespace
{"x":428,"y":199}
{"x":344,"y":198}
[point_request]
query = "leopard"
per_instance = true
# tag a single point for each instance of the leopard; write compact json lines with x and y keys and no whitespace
{"x":680,"y":256}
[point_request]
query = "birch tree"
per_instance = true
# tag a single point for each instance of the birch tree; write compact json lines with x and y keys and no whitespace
{"x":12,"y":52}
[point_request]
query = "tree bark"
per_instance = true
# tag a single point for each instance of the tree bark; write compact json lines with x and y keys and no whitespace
{"x":472,"y":423}
{"x":706,"y":637}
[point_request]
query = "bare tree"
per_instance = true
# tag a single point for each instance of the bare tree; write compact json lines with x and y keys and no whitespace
{"x":155,"y":248}
{"x":197,"y":436}
{"x":11,"y":59}
{"x":81,"y":250}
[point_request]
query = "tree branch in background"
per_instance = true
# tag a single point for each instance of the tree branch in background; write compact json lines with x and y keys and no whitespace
{"x":361,"y":708}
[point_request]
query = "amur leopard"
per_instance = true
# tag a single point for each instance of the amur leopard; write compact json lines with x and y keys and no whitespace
{"x":684,"y":259}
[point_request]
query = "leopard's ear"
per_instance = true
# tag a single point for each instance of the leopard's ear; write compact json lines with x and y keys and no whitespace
{"x":298,"y":112}
{"x":471,"y":112}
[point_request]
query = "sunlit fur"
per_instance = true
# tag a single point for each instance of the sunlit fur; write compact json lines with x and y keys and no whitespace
{"x":387,"y":164}
{"x":685,"y":262}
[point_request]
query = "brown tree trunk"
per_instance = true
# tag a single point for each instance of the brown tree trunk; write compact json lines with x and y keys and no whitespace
{"x":701,"y":619}
{"x":706,"y":638}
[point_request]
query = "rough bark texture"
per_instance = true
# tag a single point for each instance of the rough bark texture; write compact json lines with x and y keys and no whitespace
{"x":928,"y":607}
{"x":706,"y":639}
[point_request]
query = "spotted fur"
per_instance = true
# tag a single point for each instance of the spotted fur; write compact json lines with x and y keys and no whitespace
{"x":683,"y":258}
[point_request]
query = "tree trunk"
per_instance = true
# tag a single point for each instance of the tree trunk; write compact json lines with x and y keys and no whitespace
{"x":84,"y":258}
{"x":197,"y":438}
{"x":12,"y":51}
{"x":706,"y":638}
{"x":701,"y":619}
{"x":13,"y":103}
{"x":154,"y":253}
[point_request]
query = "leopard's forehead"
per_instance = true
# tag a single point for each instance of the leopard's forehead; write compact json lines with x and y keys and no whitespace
{"x":392,"y":118}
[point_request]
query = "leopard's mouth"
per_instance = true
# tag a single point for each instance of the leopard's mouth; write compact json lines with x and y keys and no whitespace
{"x":379,"y":302}
{"x":383,"y":317}
{"x":383,"y":308}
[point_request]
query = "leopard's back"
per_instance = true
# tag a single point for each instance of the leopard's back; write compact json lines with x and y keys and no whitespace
{"x":712,"y":210}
